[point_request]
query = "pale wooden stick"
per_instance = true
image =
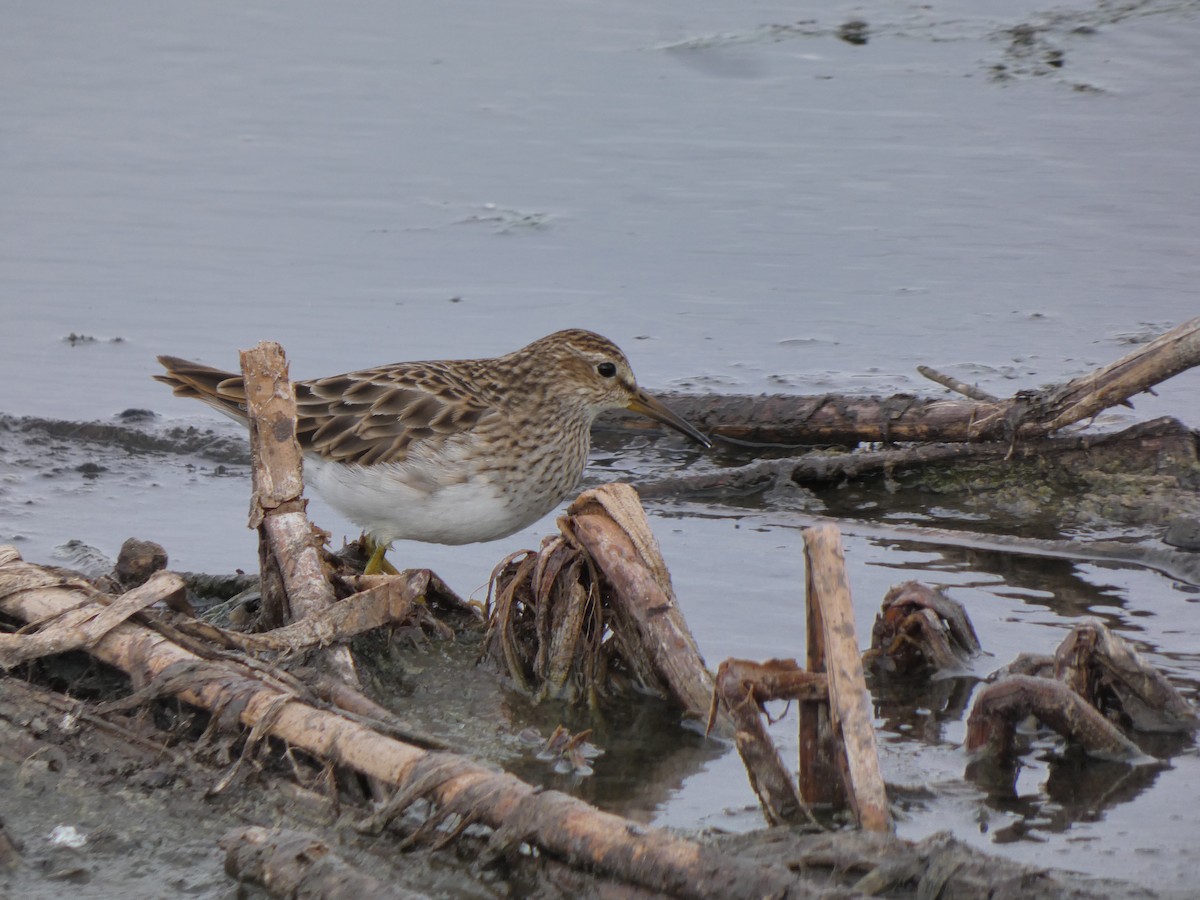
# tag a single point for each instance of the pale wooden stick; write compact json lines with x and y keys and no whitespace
{"x":277,"y":505}
{"x":91,"y":617}
{"x":848,"y":699}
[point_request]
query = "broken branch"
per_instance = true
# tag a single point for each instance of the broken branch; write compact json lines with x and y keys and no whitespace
{"x":288,"y":553}
{"x":91,"y":617}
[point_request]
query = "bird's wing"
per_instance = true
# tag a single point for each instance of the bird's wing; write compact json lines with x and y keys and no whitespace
{"x":362,"y":417}
{"x":381,"y":415}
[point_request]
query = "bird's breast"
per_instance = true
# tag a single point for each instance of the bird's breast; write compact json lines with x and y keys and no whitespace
{"x":468,"y":491}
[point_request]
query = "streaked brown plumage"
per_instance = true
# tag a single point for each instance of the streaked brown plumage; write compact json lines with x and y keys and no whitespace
{"x":450,"y":451}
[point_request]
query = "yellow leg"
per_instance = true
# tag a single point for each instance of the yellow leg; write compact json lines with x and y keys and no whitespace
{"x":377,"y":564}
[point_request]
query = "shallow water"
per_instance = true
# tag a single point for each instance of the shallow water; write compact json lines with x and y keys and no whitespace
{"x":740,"y":199}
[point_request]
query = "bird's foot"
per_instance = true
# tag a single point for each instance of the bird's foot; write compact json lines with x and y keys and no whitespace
{"x":377,"y":564}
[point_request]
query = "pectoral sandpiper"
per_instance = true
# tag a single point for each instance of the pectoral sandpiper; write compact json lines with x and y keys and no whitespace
{"x":449,"y":451}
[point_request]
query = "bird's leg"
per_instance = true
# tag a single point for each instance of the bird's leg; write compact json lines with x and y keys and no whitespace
{"x":377,"y":564}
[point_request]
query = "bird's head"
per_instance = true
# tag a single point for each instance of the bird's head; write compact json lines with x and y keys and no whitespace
{"x":594,"y":371}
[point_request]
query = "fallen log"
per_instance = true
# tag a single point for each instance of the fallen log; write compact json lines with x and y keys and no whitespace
{"x":1162,"y":439}
{"x":41,"y":752}
{"x":846,"y":420}
{"x":553,"y":822}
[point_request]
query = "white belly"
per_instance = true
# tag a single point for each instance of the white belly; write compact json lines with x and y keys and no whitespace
{"x":392,"y":505}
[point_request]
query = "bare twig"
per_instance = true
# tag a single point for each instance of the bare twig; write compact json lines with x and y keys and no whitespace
{"x":959,"y":387}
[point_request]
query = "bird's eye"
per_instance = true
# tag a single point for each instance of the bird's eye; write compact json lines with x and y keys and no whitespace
{"x":606,"y":370}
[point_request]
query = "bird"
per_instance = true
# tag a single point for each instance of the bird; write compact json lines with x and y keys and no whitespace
{"x":449,"y":451}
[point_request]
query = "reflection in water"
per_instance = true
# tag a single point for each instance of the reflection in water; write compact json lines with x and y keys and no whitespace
{"x":1057,"y":796}
{"x":1069,"y":788}
{"x":647,"y":754}
{"x":919,"y":708}
{"x":1056,"y":583}
{"x":1077,"y":788}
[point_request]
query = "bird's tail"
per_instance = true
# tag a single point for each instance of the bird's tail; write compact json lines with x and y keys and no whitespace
{"x":224,"y":391}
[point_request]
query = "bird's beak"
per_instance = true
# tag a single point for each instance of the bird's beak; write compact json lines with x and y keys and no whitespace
{"x":646,"y":405}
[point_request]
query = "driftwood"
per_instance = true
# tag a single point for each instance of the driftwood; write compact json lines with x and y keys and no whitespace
{"x":604,"y":576}
{"x":1161,"y":439}
{"x":1113,"y":677}
{"x":293,"y":864}
{"x":610,"y":524}
{"x":81,"y":625}
{"x":947,"y":437}
{"x":294,"y":582}
{"x":1158,"y":438}
{"x":383,"y":600}
{"x":839,"y":765}
{"x":82,"y":759}
{"x":920,"y":631}
{"x":839,"y":419}
{"x":999,"y":707}
{"x":743,"y":687}
{"x":555,"y":823}
{"x":833,"y":649}
{"x":1094,"y":680}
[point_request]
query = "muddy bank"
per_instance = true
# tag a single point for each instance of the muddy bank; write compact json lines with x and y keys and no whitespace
{"x":127,"y":805}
